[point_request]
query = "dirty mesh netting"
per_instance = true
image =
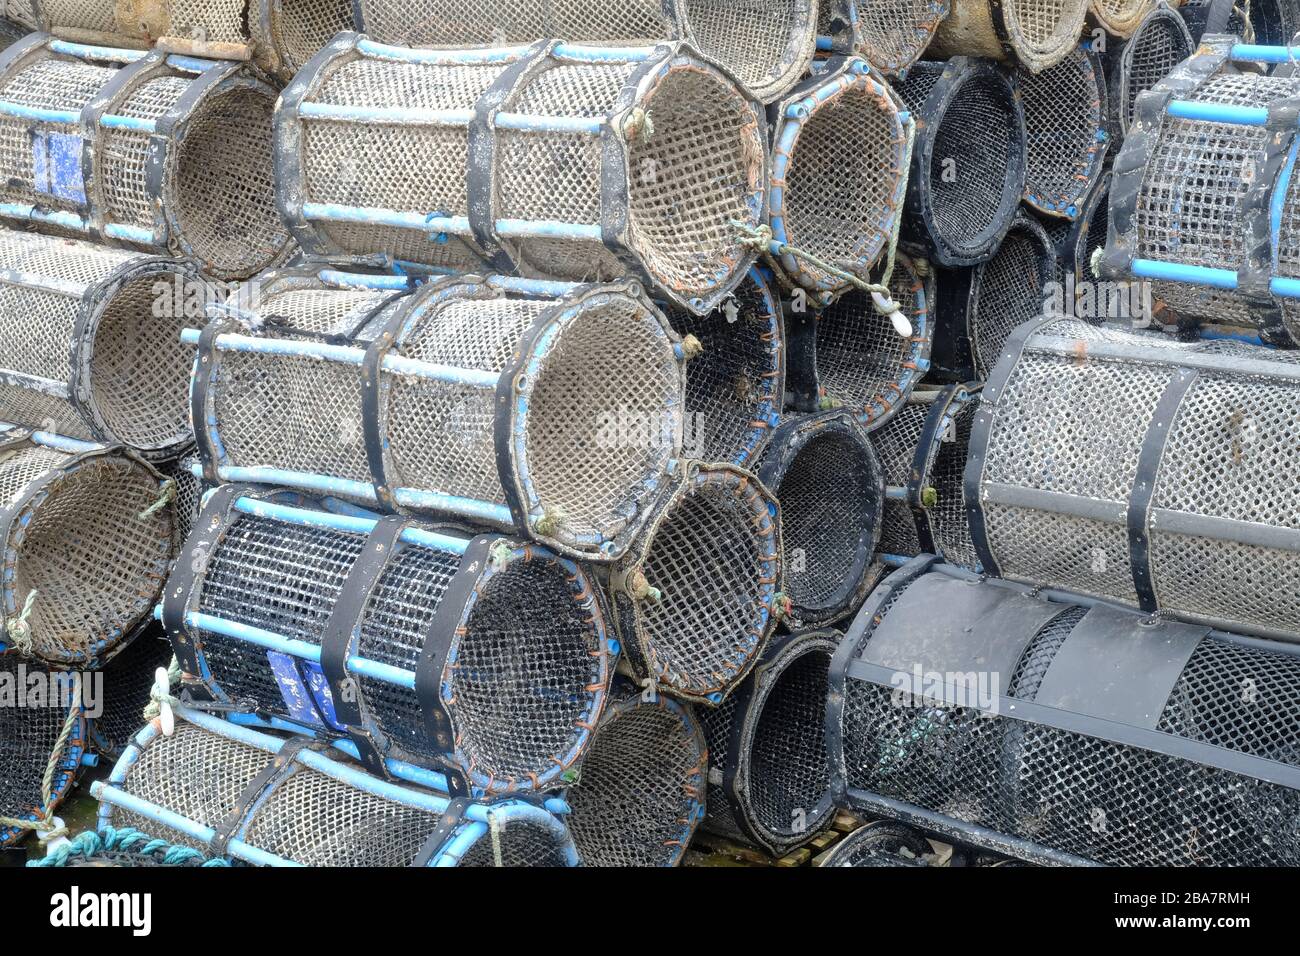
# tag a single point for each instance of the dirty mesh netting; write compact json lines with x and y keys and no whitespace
{"x":890,"y":34}
{"x":968,"y":164}
{"x":981,"y":306}
{"x":188,"y":490}
{"x":839,"y":175}
{"x":1166,"y":762}
{"x":1075,"y":244}
{"x":177,"y":159}
{"x":859,"y":362}
{"x":640,"y":791}
{"x":1120,"y":17}
{"x":769,"y":780}
{"x":380,"y":151}
{"x":85,"y":350}
{"x":766,"y":44}
{"x":1065,"y":121}
{"x":508,"y":640}
{"x":88,"y":542}
{"x":590,"y":435}
{"x":831,"y":486}
{"x":880,"y":845}
{"x":314,"y":811}
{"x":128,"y":679}
{"x":1196,"y":14}
{"x":1038,"y":33}
{"x":1144,"y":471}
{"x":735,"y":386}
{"x":1160,"y":42}
{"x":698,"y":596}
{"x":1192,"y":195}
{"x":923,"y":453}
{"x":31,"y":726}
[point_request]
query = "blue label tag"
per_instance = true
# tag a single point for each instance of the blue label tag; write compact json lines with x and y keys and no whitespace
{"x":321,"y":693}
{"x":56,"y":166}
{"x":297,"y":698}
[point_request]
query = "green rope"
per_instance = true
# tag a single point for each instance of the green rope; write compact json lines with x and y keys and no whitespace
{"x":90,"y":844}
{"x":158,"y":697}
{"x":167,"y":497}
{"x":46,"y":825}
{"x":19,"y":629}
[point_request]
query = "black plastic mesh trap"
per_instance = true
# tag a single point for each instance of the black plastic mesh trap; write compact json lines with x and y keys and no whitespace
{"x":769,"y":781}
{"x":1075,"y":243}
{"x":128,"y":678}
{"x":90,"y":347}
{"x":1132,"y":741}
{"x":1037,"y":33}
{"x":1133,"y":66}
{"x":880,"y":845}
{"x":640,"y":791}
{"x":174,"y":154}
{"x":830,"y":484}
{"x":1267,"y":22}
{"x":969,"y":160}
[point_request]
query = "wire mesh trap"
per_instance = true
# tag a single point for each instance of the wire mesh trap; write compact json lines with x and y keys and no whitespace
{"x":1140,"y":470}
{"x":831,"y":486}
{"x":1119,"y":17}
{"x":88,"y":541}
{"x":478,"y":656}
{"x":890,"y":34}
{"x":128,"y":679}
{"x":640,"y":791}
{"x":1133,"y":66}
{"x":32,"y":740}
{"x":1203,"y":200}
{"x":847,"y":355}
{"x":1066,"y":115}
{"x":839,"y":177}
{"x":1038,"y":33}
{"x":981,"y":306}
{"x":923,"y":453}
{"x":699,"y":594}
{"x":769,"y":781}
{"x":882,"y":844}
{"x":561,"y":417}
{"x":241,"y":794}
{"x":165,"y":152}
{"x":1059,"y":730}
{"x":969,"y":161}
{"x":281,"y":35}
{"x":768,"y":46}
{"x":569,"y":162}
{"x":86,"y":351}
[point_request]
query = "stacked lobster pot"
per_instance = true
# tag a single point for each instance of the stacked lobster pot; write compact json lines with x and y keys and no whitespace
{"x":890,"y":34}
{"x":135,"y":181}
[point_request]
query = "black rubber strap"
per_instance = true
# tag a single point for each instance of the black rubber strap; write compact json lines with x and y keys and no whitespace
{"x":1219,"y":16}
{"x":372,"y":401}
{"x":279,"y":767}
{"x":337,"y":640}
{"x":451,"y":818}
{"x":933,"y":432}
{"x":438,"y":638}
{"x":1144,"y":485}
{"x":208,"y":359}
{"x":802,"y":383}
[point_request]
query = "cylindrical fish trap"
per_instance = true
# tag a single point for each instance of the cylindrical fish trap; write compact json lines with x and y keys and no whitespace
{"x":880,"y":844}
{"x":1203,"y":200}
{"x":736,"y":384}
{"x":561,"y":417}
{"x":1133,"y":66}
{"x":240,"y":794}
{"x":128,"y":679}
{"x":968,"y":164}
{"x":1066,"y":116}
{"x":923,"y":453}
{"x":890,"y":34}
{"x":479,"y":656}
{"x":1038,"y":33}
{"x":1119,"y":17}
{"x":91,"y":345}
{"x":570,"y":162}
{"x":1168,"y":499}
{"x":831,"y":486}
{"x":839,"y":177}
{"x":640,"y":791}
{"x":769,"y":780}
{"x":88,"y":541}
{"x":699,"y":594}
{"x":281,"y":35}
{"x":768,"y":45}
{"x":165,"y":152}
{"x":981,"y":306}
{"x":1059,"y":730}
{"x":849,"y":355}
{"x":41,"y":705}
